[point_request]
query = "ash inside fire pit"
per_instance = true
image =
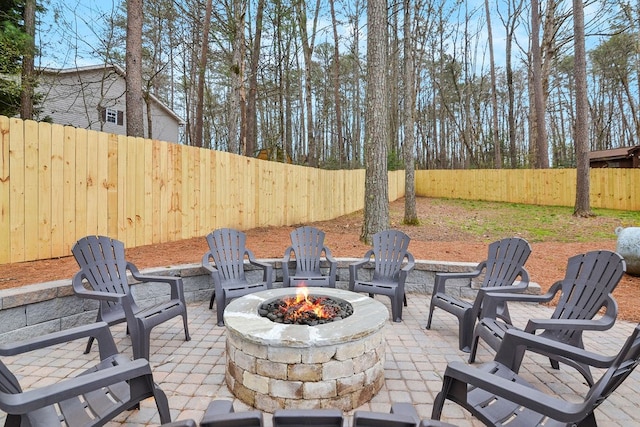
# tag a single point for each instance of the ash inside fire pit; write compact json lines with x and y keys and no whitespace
{"x":305,"y":309}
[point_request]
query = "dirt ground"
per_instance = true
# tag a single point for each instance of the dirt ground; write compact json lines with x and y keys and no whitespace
{"x":434,"y":239}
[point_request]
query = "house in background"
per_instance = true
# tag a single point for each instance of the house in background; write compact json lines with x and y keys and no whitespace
{"x":93,"y":97}
{"x":626,"y":157}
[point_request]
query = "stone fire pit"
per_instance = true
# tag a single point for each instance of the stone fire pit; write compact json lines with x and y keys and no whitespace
{"x":275,"y":366}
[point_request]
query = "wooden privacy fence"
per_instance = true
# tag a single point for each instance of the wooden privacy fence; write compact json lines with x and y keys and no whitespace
{"x":610,"y":188}
{"x":58,"y":184}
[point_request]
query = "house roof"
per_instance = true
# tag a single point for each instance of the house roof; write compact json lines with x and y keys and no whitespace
{"x":616,"y":153}
{"x":119,"y":71}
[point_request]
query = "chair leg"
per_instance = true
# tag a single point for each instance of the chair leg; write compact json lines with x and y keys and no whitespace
{"x":89,"y":344}
{"x":187,"y":337}
{"x":474,"y":348}
{"x":465,"y":331}
{"x":220,"y":304}
{"x":213,"y":296}
{"x":396,"y":308}
{"x":431,"y":307}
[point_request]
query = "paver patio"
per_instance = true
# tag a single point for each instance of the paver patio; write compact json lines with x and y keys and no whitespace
{"x":192,"y":373}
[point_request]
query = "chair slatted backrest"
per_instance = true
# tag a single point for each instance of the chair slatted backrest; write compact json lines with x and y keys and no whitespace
{"x":623,"y":366}
{"x":103,"y":262}
{"x":228,"y":249}
{"x":389,"y":249}
{"x":504,"y":261}
{"x":307,"y":243}
{"x":589,"y":280}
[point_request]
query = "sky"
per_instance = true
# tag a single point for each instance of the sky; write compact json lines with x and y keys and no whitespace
{"x":80,"y":22}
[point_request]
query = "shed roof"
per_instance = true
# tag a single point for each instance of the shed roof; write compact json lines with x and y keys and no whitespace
{"x":615,"y":153}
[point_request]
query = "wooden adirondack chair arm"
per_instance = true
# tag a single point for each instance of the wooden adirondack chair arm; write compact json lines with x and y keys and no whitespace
{"x":98,"y":330}
{"x":31,"y":400}
{"x":459,"y":374}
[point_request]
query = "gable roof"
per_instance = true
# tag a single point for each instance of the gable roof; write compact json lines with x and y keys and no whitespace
{"x":615,"y":153}
{"x":118,"y":70}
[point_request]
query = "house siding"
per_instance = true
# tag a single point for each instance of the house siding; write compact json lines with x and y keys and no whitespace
{"x":77,"y":98}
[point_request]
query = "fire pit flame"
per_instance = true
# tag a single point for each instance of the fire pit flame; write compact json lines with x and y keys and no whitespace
{"x":305,"y":309}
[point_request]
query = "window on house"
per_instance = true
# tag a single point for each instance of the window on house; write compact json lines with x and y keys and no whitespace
{"x":110,"y":115}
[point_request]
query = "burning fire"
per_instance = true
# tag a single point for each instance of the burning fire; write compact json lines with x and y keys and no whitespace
{"x":305,"y":306}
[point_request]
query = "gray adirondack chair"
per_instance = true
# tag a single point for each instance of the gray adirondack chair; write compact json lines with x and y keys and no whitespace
{"x":103,"y":269}
{"x":308,"y":250}
{"x":308,"y":417}
{"x":225,"y":261}
{"x":585,"y":290}
{"x":220,"y":413}
{"x":93,"y":398}
{"x":503,"y":266}
{"x":402,"y":414}
{"x":495,"y":393}
{"x":392,"y":263}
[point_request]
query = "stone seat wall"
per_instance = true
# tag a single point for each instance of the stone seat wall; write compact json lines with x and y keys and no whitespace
{"x":42,"y":308}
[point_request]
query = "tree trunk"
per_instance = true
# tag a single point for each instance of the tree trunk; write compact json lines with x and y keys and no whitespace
{"x":133,"y":59}
{"x":376,"y":204}
{"x":252,"y":116}
{"x":202,"y":66}
{"x":336,"y":88}
{"x":237,"y":102}
{"x":307,"y":49}
{"x":28,"y":74}
{"x":541,"y":144}
{"x":497,"y":154}
{"x":581,"y":136}
{"x":408,"y":148}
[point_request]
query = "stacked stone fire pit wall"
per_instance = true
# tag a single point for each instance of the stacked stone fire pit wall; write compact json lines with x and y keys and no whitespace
{"x":274,"y":366}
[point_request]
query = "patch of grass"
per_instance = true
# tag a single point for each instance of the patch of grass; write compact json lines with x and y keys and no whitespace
{"x":536,"y":223}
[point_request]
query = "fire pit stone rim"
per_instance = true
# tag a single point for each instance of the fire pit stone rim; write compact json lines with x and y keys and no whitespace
{"x":241,"y":317}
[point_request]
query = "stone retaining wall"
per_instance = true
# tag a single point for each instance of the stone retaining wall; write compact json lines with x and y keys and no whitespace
{"x":42,"y":308}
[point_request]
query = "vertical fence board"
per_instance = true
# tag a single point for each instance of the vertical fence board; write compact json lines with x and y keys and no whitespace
{"x":113,"y":180}
{"x":31,"y":189}
{"x":80,"y":184}
{"x":172,"y":191}
{"x":102,"y":183}
{"x":69,"y":189}
{"x":16,"y":201}
{"x":121,"y":188}
{"x":206,"y":174}
{"x":204,"y":193}
{"x":140,"y":168}
{"x":5,"y":192}
{"x":92,"y":186}
{"x":157,"y":191}
{"x":44,"y":191}
{"x":57,"y":188}
{"x":220,"y":187}
{"x":148,"y":224}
